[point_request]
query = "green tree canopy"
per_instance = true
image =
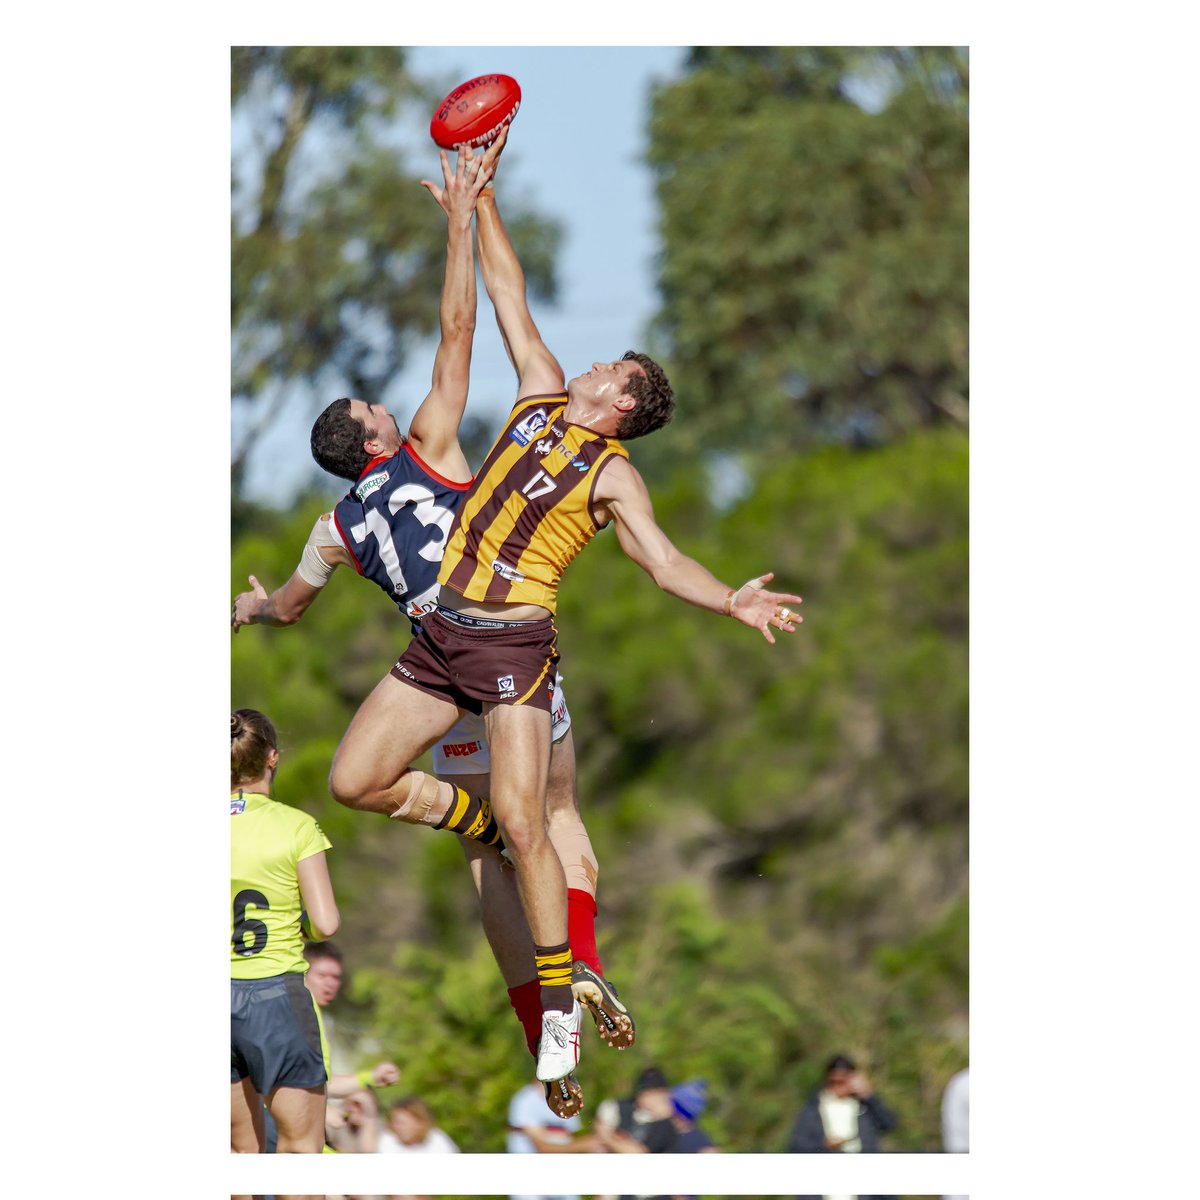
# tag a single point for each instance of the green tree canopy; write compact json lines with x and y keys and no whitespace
{"x":814,"y":225}
{"x":338,"y":253}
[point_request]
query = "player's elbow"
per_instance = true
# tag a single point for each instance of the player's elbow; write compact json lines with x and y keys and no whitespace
{"x":325,"y":923}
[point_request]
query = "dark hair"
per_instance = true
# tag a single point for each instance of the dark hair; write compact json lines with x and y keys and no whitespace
{"x":315,"y":950}
{"x":253,"y":738}
{"x":337,"y":441}
{"x":651,"y":1077}
{"x":655,"y":400}
{"x":840,"y":1062}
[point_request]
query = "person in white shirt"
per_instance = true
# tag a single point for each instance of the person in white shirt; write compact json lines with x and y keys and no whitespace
{"x":411,"y":1130}
{"x":527,"y":1110}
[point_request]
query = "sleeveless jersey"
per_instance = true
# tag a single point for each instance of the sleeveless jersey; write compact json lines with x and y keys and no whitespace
{"x":399,"y":512}
{"x":529,"y":511}
{"x":267,"y":840}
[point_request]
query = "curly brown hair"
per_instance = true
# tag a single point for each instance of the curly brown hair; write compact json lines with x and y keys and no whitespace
{"x":337,"y":441}
{"x":655,"y":400}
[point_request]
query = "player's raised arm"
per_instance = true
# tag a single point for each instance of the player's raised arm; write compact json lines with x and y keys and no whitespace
{"x":538,"y":371}
{"x":621,"y":494}
{"x":434,"y":428}
{"x":289,"y":602}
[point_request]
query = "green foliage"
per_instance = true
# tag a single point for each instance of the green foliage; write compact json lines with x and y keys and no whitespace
{"x":338,"y":253}
{"x":814,"y":227}
{"x":781,"y":830}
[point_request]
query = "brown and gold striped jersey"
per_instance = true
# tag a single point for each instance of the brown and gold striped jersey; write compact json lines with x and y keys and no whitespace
{"x":529,"y":511}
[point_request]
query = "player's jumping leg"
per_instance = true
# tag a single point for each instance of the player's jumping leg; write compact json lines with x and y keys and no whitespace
{"x":371,"y":771}
{"x":614,"y":1022}
{"x":519,"y":738}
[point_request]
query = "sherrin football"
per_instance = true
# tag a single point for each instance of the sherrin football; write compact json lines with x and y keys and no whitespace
{"x":475,"y":112}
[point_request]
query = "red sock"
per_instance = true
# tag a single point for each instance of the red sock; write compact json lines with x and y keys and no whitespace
{"x":526,"y":1001}
{"x":581,"y":928}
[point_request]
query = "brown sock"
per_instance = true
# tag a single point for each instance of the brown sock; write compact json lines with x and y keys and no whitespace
{"x":472,"y":817}
{"x":554,"y":975}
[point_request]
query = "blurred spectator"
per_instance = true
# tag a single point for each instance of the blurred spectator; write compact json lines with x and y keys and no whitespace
{"x":357,"y":1127}
{"x":690,"y":1099}
{"x":527,"y":1112}
{"x":324,"y":979}
{"x":643,"y":1123}
{"x":844,"y":1116}
{"x":411,"y":1130}
{"x":955,"y":1138}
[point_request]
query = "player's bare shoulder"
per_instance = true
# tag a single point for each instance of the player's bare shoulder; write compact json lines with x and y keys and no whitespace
{"x":619,"y":488}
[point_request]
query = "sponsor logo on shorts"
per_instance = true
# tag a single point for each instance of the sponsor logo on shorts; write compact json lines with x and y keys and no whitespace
{"x":372,"y":483}
{"x":507,"y":572}
{"x":527,"y":429}
{"x":404,"y":671}
{"x":460,"y":749}
{"x":506,"y":687}
{"x":237,"y":806}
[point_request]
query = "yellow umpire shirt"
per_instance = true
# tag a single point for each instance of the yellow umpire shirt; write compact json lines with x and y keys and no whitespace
{"x":267,"y":840}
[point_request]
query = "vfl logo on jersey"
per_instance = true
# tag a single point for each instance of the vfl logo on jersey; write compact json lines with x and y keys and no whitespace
{"x":504,"y":685}
{"x":529,"y":428}
{"x":237,"y":806}
{"x":372,"y":483}
{"x":460,"y":749}
{"x":507,"y":572}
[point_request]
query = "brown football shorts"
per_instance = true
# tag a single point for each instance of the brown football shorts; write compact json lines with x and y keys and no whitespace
{"x":471,"y":661}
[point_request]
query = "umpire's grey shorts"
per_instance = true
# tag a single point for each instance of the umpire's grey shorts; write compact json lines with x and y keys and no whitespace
{"x":275,"y":1035}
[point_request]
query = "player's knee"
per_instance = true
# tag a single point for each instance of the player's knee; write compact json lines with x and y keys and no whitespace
{"x":346,"y":785}
{"x":523,"y":834}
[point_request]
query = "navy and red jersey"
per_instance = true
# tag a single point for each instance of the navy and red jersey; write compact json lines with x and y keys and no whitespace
{"x":400,"y":512}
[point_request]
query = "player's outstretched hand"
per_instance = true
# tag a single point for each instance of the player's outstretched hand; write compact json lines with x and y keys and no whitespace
{"x":491,"y":156}
{"x":462,"y":187}
{"x":754,"y":605}
{"x":247,"y":605}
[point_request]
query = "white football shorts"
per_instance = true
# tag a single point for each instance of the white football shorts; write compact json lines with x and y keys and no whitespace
{"x":464,"y":750}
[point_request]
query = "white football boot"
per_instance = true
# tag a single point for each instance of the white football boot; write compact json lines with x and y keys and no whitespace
{"x":558,"y":1047}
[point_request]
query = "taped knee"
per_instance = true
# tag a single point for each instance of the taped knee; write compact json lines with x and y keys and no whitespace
{"x":424,"y":792}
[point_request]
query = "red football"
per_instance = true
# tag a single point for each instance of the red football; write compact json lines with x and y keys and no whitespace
{"x":476,"y":111}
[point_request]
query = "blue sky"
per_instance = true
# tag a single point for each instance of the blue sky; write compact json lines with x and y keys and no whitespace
{"x":575,"y":153}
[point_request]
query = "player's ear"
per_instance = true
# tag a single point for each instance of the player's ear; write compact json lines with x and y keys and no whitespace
{"x":625,"y":402}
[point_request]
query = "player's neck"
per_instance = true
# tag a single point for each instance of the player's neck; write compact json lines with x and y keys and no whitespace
{"x":261,"y":786}
{"x":598,"y":418}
